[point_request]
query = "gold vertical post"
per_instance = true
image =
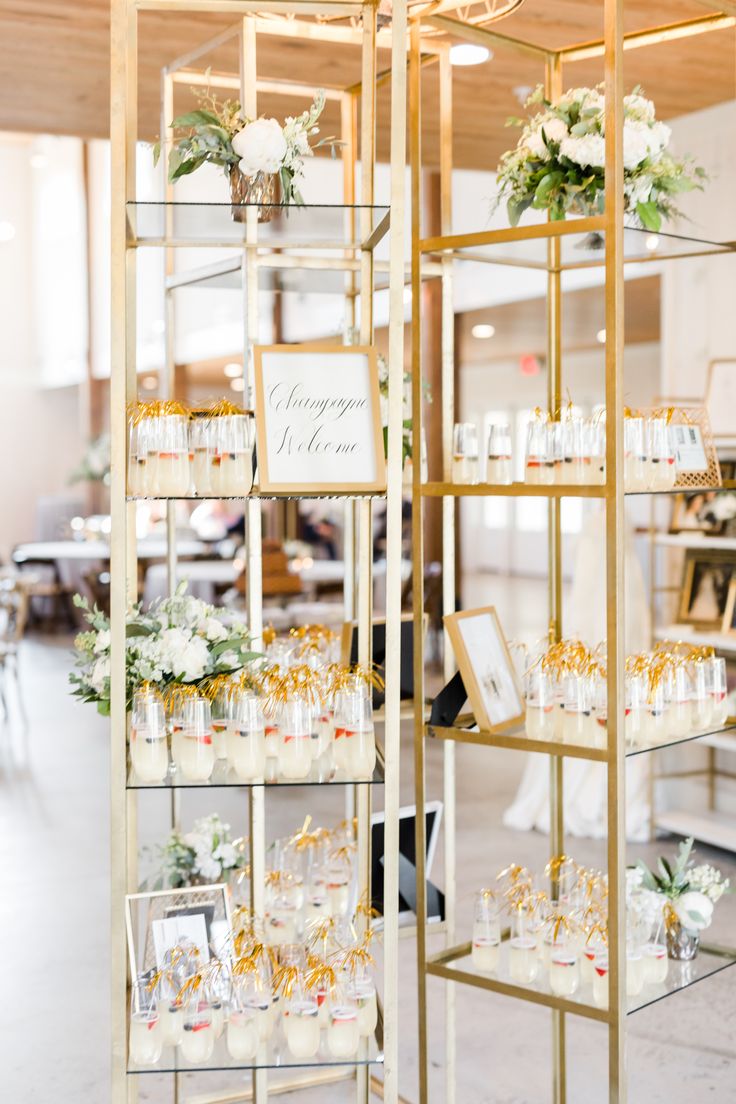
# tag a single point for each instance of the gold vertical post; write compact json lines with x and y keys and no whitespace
{"x":123,"y":566}
{"x":392,"y":736}
{"x":450,"y":509}
{"x":614,"y":192}
{"x":417,"y":527}
{"x":553,"y":89}
{"x":362,"y":794}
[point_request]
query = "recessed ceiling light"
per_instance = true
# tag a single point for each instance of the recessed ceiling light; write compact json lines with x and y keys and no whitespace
{"x":483,"y":330}
{"x":39,"y":161}
{"x":467,"y":53}
{"x":149,"y":383}
{"x":652,"y":242}
{"x":601,"y":336}
{"x":7,"y":231}
{"x":233,"y":370}
{"x":237,"y":384}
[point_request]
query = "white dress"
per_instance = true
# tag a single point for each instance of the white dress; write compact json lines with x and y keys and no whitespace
{"x":584,"y":782}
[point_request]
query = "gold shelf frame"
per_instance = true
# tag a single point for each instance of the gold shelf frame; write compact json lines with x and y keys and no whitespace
{"x":445,"y":248}
{"x":357,"y":257}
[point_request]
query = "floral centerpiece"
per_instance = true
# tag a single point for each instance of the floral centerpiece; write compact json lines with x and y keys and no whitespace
{"x":253,"y":153}
{"x":558,"y":162}
{"x":690,"y":894}
{"x":204,"y":856}
{"x":178,"y":640}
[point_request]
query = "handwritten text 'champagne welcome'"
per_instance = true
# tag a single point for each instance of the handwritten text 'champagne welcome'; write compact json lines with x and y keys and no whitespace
{"x":324,"y":412}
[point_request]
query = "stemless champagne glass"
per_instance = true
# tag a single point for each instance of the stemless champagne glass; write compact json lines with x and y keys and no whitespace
{"x":343,"y":1035}
{"x":718,"y":689}
{"x":359,"y":737}
{"x":148,"y":752}
{"x":223,"y":712}
{"x":197,"y":751}
{"x":662,"y":473}
{"x":198,"y":1036}
{"x":465,"y":453}
{"x":174,"y":473}
{"x":200,"y":446}
{"x":242,"y":1029}
{"x":499,"y":466}
{"x":523,"y":957}
{"x":540,"y":703}
{"x":636,"y":466}
{"x":235,"y":450}
{"x":146,"y":1041}
{"x":486,"y":946}
{"x":246,"y":739}
{"x":295,"y":731}
{"x":539,"y":465}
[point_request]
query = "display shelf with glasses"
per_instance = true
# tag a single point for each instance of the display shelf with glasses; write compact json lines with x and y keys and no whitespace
{"x":325,"y":247}
{"x":566,"y":242}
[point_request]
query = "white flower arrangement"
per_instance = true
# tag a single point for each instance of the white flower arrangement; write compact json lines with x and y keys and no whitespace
{"x":94,"y":467}
{"x":692,"y":891}
{"x":205,"y":855}
{"x":177,"y":640}
{"x":558,"y":162}
{"x":219,"y":133}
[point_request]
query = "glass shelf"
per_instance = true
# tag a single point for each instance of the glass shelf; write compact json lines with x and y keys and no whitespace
{"x":456,"y":965}
{"x":516,"y":740}
{"x":535,"y":490}
{"x":309,"y":227}
{"x":526,"y":246}
{"x":222,"y":775}
{"x":270,"y":496}
{"x":304,"y":275}
{"x":273,"y":1055}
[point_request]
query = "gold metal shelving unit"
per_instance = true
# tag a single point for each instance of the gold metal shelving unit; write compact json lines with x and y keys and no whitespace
{"x":355,"y":226}
{"x":547,"y":247}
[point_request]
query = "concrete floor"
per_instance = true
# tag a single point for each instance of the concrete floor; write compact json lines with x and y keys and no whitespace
{"x":54,"y":921}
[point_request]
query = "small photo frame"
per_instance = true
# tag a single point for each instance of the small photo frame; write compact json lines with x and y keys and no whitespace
{"x":159,"y":921}
{"x":702,"y":511}
{"x":729,"y":617}
{"x":487,"y":668}
{"x":720,"y":397}
{"x":318,"y":420}
{"x":706,"y":582}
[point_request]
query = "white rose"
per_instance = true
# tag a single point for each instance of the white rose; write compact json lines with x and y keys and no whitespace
{"x":658,"y":138}
{"x":261,"y":147}
{"x":636,"y":144}
{"x":184,"y":656}
{"x":100,"y":673}
{"x":588,"y":151}
{"x":639,"y":107}
{"x":694,"y":910}
{"x":208,"y":868}
{"x":226,"y":855}
{"x":214,"y":630}
{"x":102,"y":643}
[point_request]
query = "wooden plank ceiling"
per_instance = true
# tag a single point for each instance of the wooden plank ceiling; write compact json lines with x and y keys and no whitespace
{"x":55,"y":71}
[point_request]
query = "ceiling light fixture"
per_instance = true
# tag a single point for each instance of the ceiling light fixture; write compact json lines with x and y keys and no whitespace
{"x":237,"y":384}
{"x":149,"y":383}
{"x":233,"y":370}
{"x":652,"y":242}
{"x":601,"y":337}
{"x":467,"y":53}
{"x":483,"y":330}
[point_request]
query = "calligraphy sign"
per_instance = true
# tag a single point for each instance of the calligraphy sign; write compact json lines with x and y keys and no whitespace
{"x":318,"y":419}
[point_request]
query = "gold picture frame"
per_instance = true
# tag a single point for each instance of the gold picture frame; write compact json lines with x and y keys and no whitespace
{"x":373,"y":430}
{"x":706,"y":581}
{"x":720,"y":396}
{"x":494,"y":691}
{"x":212,"y":901}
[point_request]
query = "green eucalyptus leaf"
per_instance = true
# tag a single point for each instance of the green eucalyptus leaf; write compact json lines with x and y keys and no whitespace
{"x":649,"y":215}
{"x":195,"y":119}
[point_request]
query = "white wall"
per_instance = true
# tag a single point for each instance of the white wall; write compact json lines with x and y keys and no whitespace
{"x":698,"y":316}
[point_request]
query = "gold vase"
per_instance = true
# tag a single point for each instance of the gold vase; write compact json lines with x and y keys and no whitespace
{"x":260,"y":189}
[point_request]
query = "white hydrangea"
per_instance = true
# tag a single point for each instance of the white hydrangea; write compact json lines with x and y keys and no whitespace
{"x":636,"y":144}
{"x":555,"y":130}
{"x":102,"y":643}
{"x":588,"y":150}
{"x":214,"y":630}
{"x":694,"y":910}
{"x":183,"y":655}
{"x":100,"y":674}
{"x":261,"y":147}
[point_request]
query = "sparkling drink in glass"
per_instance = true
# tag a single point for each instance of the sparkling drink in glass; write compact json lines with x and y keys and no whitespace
{"x":465,"y":453}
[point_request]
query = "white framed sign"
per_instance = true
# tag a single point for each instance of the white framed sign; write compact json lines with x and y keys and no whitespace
{"x":318,"y":419}
{"x":720,"y":396}
{"x":487,"y":668}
